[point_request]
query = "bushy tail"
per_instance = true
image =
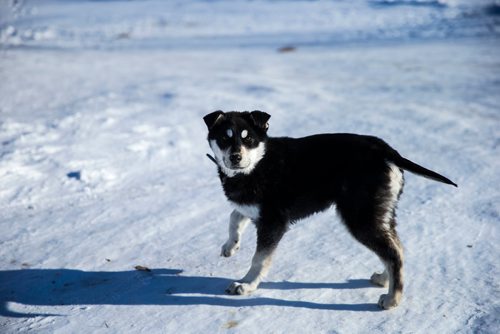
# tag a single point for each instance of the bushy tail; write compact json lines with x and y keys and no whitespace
{"x":417,"y":169}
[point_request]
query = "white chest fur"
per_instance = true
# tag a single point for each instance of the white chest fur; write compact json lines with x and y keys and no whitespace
{"x":250,"y":211}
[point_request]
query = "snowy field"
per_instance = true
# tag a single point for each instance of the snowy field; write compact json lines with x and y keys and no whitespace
{"x":103,"y":167}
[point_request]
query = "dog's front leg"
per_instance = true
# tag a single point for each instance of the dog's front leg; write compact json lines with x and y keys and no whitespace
{"x":237,"y":224}
{"x":268,"y":237}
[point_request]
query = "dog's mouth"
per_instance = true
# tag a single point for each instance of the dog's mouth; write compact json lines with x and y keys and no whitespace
{"x":232,"y":166}
{"x":238,"y":167}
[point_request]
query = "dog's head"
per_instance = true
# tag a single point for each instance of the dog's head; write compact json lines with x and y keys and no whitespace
{"x":237,"y":139}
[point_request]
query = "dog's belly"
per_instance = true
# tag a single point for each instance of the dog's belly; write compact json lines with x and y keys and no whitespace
{"x":250,"y":211}
{"x":304,"y":207}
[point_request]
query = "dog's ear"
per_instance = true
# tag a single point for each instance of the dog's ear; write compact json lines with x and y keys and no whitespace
{"x":212,"y":118}
{"x":260,"y":119}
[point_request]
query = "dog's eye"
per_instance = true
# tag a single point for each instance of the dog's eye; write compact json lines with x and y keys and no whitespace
{"x":248,"y":140}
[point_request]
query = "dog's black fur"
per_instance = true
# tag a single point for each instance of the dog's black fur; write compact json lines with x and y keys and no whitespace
{"x":299,"y":177}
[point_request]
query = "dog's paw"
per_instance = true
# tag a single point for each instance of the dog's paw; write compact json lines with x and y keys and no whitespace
{"x":388,"y":301}
{"x":238,"y":288}
{"x":380,"y":279}
{"x":229,"y":248}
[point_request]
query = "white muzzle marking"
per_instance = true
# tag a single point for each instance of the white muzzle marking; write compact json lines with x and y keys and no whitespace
{"x":249,"y":158}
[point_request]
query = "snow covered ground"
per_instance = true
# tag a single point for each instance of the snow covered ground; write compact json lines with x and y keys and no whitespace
{"x":103,"y":167}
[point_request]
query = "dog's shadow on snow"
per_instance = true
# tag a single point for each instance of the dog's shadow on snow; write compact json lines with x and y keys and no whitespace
{"x":55,"y":287}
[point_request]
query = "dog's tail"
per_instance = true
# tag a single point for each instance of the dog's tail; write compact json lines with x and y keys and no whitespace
{"x":410,"y":166}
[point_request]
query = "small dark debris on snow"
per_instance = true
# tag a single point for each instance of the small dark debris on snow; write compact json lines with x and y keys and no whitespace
{"x":77,"y":175}
{"x":30,"y":207}
{"x":108,"y":260}
{"x":142,"y":268}
{"x":230,"y":324}
{"x":470,"y":246}
{"x":288,"y":48}
{"x":123,"y":35}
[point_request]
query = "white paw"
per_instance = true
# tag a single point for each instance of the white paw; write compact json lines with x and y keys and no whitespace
{"x":380,"y":279}
{"x":229,"y":248}
{"x":387,"y":302}
{"x":237,"y":288}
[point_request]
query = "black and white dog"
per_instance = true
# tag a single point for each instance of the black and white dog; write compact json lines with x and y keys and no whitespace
{"x":274,"y":182}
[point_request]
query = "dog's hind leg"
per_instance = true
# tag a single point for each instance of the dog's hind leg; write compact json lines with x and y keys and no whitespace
{"x":268,"y":237}
{"x":389,"y":249}
{"x":237,"y":225}
{"x":384,"y":240}
{"x":379,"y":236}
{"x":387,"y":246}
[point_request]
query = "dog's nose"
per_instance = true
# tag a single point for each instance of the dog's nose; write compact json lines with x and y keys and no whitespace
{"x":235,"y":158}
